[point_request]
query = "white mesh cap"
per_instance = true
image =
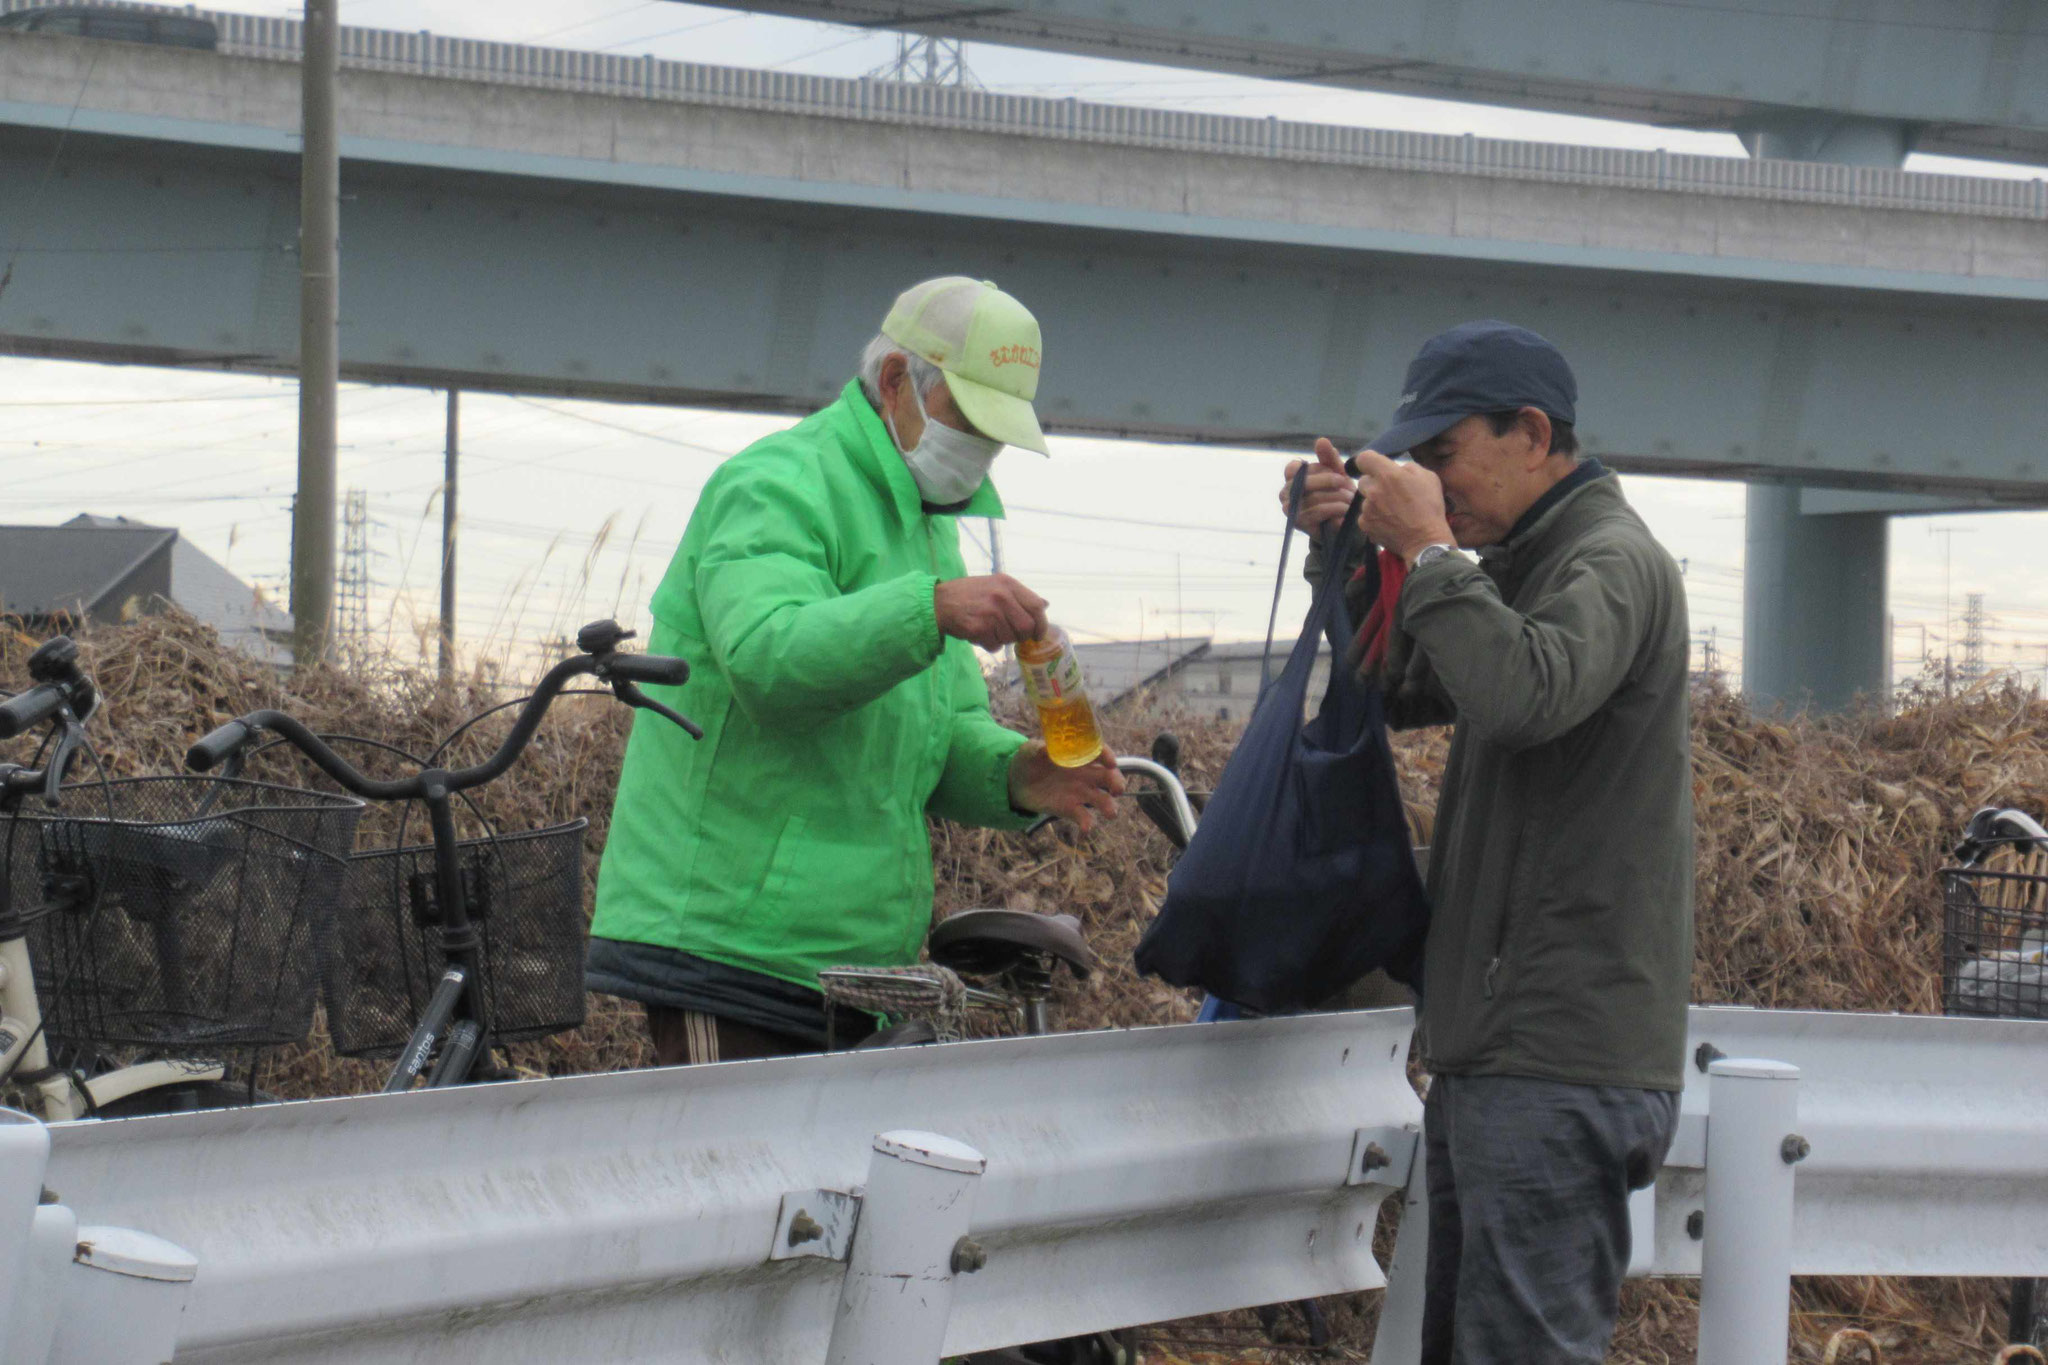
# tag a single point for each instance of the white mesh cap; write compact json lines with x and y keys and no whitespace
{"x":985,"y":342}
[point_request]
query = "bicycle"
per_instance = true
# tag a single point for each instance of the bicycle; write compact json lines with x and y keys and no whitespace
{"x":174,"y":920}
{"x":1006,"y":962}
{"x":1994,"y":960}
{"x":482,"y":919}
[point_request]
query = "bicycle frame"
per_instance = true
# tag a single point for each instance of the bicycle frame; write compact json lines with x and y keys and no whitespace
{"x":453,"y":1035}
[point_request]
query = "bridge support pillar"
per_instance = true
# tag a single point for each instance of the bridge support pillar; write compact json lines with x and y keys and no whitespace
{"x":1813,"y":135}
{"x":1813,"y":603}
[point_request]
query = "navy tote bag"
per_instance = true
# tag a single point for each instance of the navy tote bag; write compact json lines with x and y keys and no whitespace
{"x":1300,"y":878}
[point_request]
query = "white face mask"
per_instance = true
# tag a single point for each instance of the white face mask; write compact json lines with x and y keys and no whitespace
{"x":948,"y":464}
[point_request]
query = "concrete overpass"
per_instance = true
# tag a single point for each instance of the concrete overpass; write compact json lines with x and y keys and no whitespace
{"x":1839,"y":80}
{"x":726,"y":237}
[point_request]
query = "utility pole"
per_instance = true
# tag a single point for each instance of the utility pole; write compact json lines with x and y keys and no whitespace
{"x":319,"y":362}
{"x":995,"y":546}
{"x":1891,"y":638}
{"x":1948,"y":536}
{"x":447,"y":660}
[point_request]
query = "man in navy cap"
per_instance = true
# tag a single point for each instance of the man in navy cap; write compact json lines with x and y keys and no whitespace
{"x":1558,"y":966}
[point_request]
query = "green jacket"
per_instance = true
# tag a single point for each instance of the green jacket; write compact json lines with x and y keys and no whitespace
{"x":792,"y":836}
{"x":1561,"y":869}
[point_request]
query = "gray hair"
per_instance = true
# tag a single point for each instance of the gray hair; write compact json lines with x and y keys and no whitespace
{"x":923,"y":374}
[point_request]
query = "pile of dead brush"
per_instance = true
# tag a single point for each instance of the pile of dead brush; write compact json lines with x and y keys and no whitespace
{"x":1819,"y":845}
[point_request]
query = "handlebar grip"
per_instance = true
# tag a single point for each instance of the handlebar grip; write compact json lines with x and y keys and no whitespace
{"x":30,"y":709}
{"x":217,"y":747}
{"x":661,"y":669}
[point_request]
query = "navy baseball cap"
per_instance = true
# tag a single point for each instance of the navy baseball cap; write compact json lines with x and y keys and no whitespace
{"x":1476,"y":367}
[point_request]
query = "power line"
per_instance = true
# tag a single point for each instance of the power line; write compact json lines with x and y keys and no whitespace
{"x":1137,"y":521}
{"x":619,"y":426}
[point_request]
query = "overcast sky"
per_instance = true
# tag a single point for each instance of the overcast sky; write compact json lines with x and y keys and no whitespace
{"x":571,"y":509}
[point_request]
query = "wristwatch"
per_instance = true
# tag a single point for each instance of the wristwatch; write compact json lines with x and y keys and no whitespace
{"x":1430,"y":554}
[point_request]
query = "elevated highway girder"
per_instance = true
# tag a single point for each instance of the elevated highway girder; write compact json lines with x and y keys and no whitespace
{"x":173,"y":253}
{"x":1966,"y":77}
{"x":546,"y":255}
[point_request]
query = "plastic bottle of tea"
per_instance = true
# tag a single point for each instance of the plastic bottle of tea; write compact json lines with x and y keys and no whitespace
{"x":1052,"y":679}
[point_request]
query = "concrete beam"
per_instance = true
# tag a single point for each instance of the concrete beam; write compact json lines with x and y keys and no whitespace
{"x":541,"y":241}
{"x":1973,"y":74}
{"x":1840,"y":502}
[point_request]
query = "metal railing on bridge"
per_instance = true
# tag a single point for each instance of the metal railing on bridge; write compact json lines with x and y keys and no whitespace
{"x":649,"y":77}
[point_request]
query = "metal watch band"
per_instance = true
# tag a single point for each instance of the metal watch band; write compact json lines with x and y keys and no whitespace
{"x":1429,"y":554}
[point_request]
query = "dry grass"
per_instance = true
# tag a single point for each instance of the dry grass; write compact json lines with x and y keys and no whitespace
{"x":1819,"y":842}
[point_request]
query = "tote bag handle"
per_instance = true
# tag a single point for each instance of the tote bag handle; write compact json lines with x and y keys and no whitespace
{"x":1337,"y":545}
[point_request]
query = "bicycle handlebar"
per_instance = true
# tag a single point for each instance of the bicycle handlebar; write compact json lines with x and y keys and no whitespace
{"x":1169,"y":782}
{"x":62,"y":693}
{"x":18,"y":715}
{"x":621,"y":670}
{"x":218,"y":747}
{"x":659,"y":669}
{"x":1992,"y":826}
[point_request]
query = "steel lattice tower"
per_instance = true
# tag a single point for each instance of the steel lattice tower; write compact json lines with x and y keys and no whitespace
{"x":925,"y":60}
{"x":1973,"y":637}
{"x":352,"y":578}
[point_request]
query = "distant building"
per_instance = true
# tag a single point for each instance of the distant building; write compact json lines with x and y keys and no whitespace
{"x":1192,"y":675}
{"x":1223,"y":680}
{"x":109,"y":569}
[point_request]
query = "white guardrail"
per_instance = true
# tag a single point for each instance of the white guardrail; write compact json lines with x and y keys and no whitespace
{"x":649,"y":77}
{"x":640,"y":1217}
{"x":1029,"y":1189}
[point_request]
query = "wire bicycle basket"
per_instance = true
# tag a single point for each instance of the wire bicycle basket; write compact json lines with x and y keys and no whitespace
{"x":1994,"y":943}
{"x":381,"y":952}
{"x":179,"y":912}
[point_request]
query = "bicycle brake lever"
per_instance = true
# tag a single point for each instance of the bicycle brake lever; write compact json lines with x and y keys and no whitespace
{"x":71,"y":736}
{"x":630,"y":693}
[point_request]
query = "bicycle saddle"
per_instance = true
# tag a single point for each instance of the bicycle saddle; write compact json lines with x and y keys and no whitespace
{"x":991,"y":942}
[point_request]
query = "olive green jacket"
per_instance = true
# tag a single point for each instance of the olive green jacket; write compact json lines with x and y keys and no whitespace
{"x":1561,"y":869}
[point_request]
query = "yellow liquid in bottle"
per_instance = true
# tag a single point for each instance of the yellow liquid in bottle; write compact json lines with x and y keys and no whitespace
{"x":1071,"y":738}
{"x":1052,"y":679}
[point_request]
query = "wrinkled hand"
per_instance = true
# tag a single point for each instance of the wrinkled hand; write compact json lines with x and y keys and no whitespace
{"x":1404,"y":505}
{"x":991,"y":610}
{"x":1042,"y":786}
{"x":1327,"y":494}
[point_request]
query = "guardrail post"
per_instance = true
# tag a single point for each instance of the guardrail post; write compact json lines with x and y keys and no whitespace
{"x":909,"y":1246}
{"x":122,"y":1298}
{"x":24,"y":1153}
{"x":1398,"y":1339}
{"x":39,"y":1299}
{"x":1746,"y":1277}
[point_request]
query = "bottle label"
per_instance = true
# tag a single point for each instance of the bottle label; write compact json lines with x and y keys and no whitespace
{"x":1052,"y":679}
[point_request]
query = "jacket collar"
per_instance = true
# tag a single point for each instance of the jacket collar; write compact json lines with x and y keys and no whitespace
{"x":1567,"y":517}
{"x":875,"y":452}
{"x":1582,"y":474}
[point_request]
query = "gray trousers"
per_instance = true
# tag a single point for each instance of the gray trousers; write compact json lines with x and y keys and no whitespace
{"x":1528,"y":1214}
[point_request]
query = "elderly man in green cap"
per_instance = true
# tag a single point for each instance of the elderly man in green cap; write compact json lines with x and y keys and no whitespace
{"x":820,"y":594}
